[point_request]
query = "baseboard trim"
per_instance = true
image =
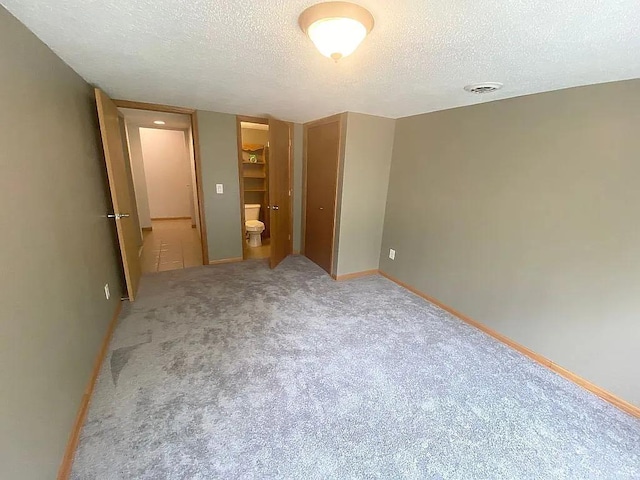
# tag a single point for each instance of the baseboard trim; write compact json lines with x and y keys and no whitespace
{"x":596,"y":390}
{"x":226,"y":260}
{"x":67,"y":460}
{"x":351,"y":276}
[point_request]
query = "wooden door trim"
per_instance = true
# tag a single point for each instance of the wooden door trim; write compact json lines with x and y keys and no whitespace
{"x":196,"y":154}
{"x":323,"y":121}
{"x":74,"y":437}
{"x":341,"y":119}
{"x":240,"y":183}
{"x":204,"y":241}
{"x":247,"y":118}
{"x":153,"y":107}
{"x":303,"y":207}
{"x":342,"y":125}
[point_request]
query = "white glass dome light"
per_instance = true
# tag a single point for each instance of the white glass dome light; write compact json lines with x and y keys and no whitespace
{"x":336,"y":28}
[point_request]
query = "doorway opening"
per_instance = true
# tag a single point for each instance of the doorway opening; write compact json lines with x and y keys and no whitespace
{"x":253,"y":169}
{"x":163,"y":171}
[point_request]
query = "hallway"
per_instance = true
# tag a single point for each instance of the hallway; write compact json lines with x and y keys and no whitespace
{"x":171,"y":245}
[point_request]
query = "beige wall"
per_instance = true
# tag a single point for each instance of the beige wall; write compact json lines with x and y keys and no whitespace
{"x":139,"y":177}
{"x":367,"y":161}
{"x":524,"y":214}
{"x":166,"y":165}
{"x":219,"y":152}
{"x":57,"y":251}
{"x":219,"y":156}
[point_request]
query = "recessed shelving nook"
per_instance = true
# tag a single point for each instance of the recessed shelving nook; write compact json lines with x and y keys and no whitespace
{"x":253,"y":147}
{"x":254,"y":168}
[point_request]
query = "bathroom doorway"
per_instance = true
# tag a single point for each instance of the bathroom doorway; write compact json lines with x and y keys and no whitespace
{"x":253,"y":168}
{"x":264,"y":168}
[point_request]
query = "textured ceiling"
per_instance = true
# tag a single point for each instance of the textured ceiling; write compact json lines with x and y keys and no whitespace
{"x":250,"y":57}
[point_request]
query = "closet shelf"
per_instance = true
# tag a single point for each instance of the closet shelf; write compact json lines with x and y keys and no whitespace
{"x":255,"y":190}
{"x":254,"y":175}
{"x":252,"y":163}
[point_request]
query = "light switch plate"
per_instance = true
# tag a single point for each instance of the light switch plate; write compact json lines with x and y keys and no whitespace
{"x":219,"y":188}
{"x":392,"y":254}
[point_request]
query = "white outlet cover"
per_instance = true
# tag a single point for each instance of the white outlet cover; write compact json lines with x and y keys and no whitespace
{"x":392,"y":254}
{"x":219,"y":188}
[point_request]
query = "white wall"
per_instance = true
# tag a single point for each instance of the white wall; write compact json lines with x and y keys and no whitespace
{"x":166,"y":165}
{"x":139,"y":177}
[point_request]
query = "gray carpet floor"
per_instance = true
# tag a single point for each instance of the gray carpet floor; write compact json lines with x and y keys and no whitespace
{"x":241,"y":372}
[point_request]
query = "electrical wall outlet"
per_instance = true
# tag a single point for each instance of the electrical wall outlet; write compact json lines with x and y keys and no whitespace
{"x":392,"y":254}
{"x":107,"y":294}
{"x":219,"y":188}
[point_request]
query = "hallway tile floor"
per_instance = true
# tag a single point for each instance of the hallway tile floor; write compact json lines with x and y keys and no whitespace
{"x":171,"y":245}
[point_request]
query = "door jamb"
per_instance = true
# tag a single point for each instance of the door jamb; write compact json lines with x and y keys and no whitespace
{"x":291,"y":192}
{"x":196,"y":154}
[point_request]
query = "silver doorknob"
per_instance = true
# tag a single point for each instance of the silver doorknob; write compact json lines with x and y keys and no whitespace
{"x":118,"y":216}
{"x":321,"y":208}
{"x":275,"y":207}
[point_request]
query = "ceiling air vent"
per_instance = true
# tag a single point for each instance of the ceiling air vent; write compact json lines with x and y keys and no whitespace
{"x":486,"y":87}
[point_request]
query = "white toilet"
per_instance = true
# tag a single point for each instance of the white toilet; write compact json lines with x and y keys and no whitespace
{"x":252,"y":225}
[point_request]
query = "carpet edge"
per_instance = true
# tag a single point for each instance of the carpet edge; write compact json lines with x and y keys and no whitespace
{"x":74,"y":437}
{"x":563,"y":372}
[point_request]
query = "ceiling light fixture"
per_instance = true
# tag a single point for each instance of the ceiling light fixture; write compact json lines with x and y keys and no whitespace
{"x":159,"y":122}
{"x":486,"y":87}
{"x":336,"y":28}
